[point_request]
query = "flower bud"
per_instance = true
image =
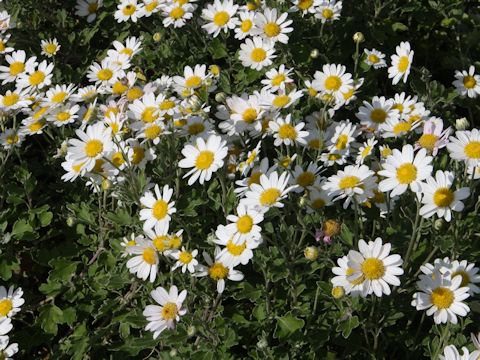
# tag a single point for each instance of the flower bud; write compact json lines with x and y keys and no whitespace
{"x":106,"y":184}
{"x":157,"y":37}
{"x":462,"y":124}
{"x":358,"y":37}
{"x":338,"y":292}
{"x":220,"y":97}
{"x":215,"y":70}
{"x":262,"y":344}
{"x":173,"y":352}
{"x":315,"y":53}
{"x":71,"y":221}
{"x":191,"y":330}
{"x":311,"y":253}
{"x":439,"y":224}
{"x":331,"y":228}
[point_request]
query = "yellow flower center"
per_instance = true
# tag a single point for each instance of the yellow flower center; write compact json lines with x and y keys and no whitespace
{"x":153,"y":131}
{"x":93,"y":148}
{"x":366,"y":151}
{"x":204,"y":160}
{"x":50,"y":48}
{"x":63,"y":116}
{"x":246,"y":25}
{"x":160,"y":209}
{"x":254,"y":178}
{"x":333,"y":157}
{"x":151,"y":6}
{"x":177,"y":13}
{"x":342,"y":142}
{"x":258,"y":55}
{"x":128,"y":51}
{"x":149,"y":114}
{"x":287,"y":131}
{"x":218,"y":271}
{"x":134,"y":93}
{"x":373,"y":268}
{"x":386,"y":151}
{"x":271,"y":29}
{"x":59,"y":97}
{"x":16,"y":68}
{"x":185,"y":257}
{"x":235,"y":250}
{"x":464,"y":275}
{"x":129,"y":10}
{"x":318,"y":203}
{"x":138,"y":155}
{"x":403,"y":64}
{"x":161,"y":242}
{"x":119,"y":87}
{"x":347,"y":95}
{"x":269,"y":197}
{"x":442,"y":297}
{"x":472,"y":150}
{"x":9,"y":100}
{"x":36,"y":126}
{"x":327,"y":13}
{"x":149,"y":256}
{"x":333,"y":83}
{"x":221,"y":18}
{"x":131,"y":243}
{"x":278,"y":79}
{"x":12,"y":139}
{"x":312,"y":92}
{"x":349,"y":182}
{"x":193,"y":81}
{"x":401,"y":127}
{"x":398,"y":107}
{"x":174,"y":242}
{"x":305,"y":4}
{"x":281,"y":101}
{"x":306,"y":179}
{"x":77,"y":167}
{"x":378,"y":197}
{"x":169,"y":311}
{"x":245,"y":224}
{"x":117,"y":159}
{"x":6,"y":306}
{"x":406,"y":173}
{"x":469,"y":82}
{"x":104,"y":74}
{"x":373,"y":58}
{"x":443,"y":197}
{"x":428,"y":141}
{"x":249,"y":115}
{"x":378,"y":116}
{"x":314,"y":144}
{"x":167,"y":104}
{"x":196,"y":128}
{"x":36,"y":78}
{"x":92,"y":7}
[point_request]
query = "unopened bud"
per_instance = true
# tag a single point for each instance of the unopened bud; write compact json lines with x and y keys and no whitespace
{"x":462,"y":124}
{"x":191,"y":330}
{"x":439,"y":224}
{"x":71,"y":221}
{"x":311,"y":253}
{"x":106,"y":184}
{"x":157,"y":37}
{"x":262,"y":344}
{"x":220,"y":97}
{"x":215,"y":70}
{"x":315,"y":53}
{"x":338,"y":292}
{"x":358,"y":37}
{"x":173,"y":352}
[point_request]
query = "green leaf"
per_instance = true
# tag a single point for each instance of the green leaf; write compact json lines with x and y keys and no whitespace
{"x":49,"y":318}
{"x":21,"y":229}
{"x":63,"y":269}
{"x":346,"y":326}
{"x":287,"y":325}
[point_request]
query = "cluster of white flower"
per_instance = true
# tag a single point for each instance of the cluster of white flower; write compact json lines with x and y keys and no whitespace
{"x":10,"y":302}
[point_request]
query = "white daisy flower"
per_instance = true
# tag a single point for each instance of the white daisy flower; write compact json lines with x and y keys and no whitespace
{"x":139,"y":154}
{"x":343,"y":135}
{"x":305,"y":179}
{"x":11,"y":138}
{"x":220,"y":16}
{"x":241,"y":114}
{"x":450,"y":352}
{"x":50,"y":47}
{"x":105,"y":73}
{"x":168,"y":313}
{"x":36,"y":78}
{"x":375,"y":58}
{"x":343,"y":278}
{"x":63,"y":115}
{"x":88,"y":9}
{"x":305,"y":6}
{"x":442,"y":297}
{"x":439,"y":198}
{"x":468,"y":273}
{"x":4,"y":48}
{"x":177,"y":14}
{"x":129,"y":10}
{"x":401,"y":63}
{"x":14,"y":100}
{"x":18,"y":64}
{"x":245,"y":25}
{"x":277,"y":79}
{"x":244,"y":225}
{"x":5,"y":325}
{"x":328,"y":10}
{"x":365,"y":150}
{"x":394,"y":128}
{"x":92,"y":145}
{"x":465,"y":146}
{"x":10,"y":301}
{"x":318,"y":198}
{"x":132,"y":46}
{"x":272,"y":26}
{"x":353,"y":182}
{"x":7,"y":350}
{"x":405,"y":169}
{"x":150,"y":7}
{"x":256,"y":53}
{"x":333,"y":80}
{"x":375,"y":266}
{"x":157,"y":208}
{"x":287,"y":133}
{"x":191,"y":79}
{"x":254,"y":178}
{"x":185,"y":259}
{"x":281,"y":100}
{"x":234,"y":252}
{"x":145,"y":262}
{"x":467,"y":83}
{"x":127,"y":242}
{"x":373,"y":115}
{"x":205,"y":158}
{"x":218,"y":271}
{"x":271,"y":190}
